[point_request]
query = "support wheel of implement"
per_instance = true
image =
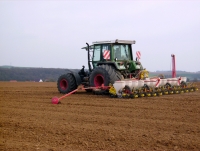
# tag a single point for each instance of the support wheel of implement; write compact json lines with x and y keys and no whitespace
{"x":168,"y":86}
{"x":66,"y":83}
{"x":104,"y":74}
{"x":127,"y":91}
{"x":183,"y":84}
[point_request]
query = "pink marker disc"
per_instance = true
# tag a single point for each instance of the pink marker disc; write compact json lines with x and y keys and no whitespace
{"x":55,"y":100}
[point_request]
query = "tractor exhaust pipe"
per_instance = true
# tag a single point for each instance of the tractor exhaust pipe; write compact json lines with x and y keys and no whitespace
{"x":88,"y":49}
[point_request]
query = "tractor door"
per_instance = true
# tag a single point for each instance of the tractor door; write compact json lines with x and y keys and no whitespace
{"x":101,"y":53}
{"x":96,"y":55}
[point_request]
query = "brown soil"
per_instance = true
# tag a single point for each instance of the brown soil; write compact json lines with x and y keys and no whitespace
{"x":83,"y":121}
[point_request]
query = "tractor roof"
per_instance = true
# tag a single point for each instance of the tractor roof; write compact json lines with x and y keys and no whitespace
{"x":115,"y":41}
{"x":111,"y":41}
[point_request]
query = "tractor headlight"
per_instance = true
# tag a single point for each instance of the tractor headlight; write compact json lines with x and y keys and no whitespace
{"x":137,"y":66}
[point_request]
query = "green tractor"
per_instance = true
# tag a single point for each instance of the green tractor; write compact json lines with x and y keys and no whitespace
{"x":108,"y":61}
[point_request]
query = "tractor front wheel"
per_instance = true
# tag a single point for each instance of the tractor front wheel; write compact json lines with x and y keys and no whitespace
{"x":66,"y":83}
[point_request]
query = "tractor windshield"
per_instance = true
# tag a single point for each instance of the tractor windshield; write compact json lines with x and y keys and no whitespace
{"x":122,"y":52}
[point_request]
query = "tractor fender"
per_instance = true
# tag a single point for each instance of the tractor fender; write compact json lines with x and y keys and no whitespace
{"x":75,"y":75}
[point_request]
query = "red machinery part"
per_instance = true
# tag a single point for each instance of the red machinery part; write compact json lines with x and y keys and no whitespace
{"x":56,"y":100}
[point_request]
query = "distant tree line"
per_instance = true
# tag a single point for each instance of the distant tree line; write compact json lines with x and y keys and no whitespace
{"x":52,"y":74}
{"x":30,"y":74}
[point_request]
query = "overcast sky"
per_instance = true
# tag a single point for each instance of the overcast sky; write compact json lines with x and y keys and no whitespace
{"x":50,"y":34}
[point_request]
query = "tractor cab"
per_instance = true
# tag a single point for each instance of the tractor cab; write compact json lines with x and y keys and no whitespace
{"x":111,"y":53}
{"x":115,"y":53}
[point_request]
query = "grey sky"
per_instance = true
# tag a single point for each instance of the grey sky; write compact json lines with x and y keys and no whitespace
{"x":52,"y":33}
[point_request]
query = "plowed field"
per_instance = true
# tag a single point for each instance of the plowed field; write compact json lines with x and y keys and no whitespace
{"x":83,"y":121}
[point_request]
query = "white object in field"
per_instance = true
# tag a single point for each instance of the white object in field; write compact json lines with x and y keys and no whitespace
{"x":147,"y":81}
{"x":163,"y":82}
{"x":40,"y":80}
{"x":184,"y":79}
{"x":140,"y":83}
{"x":128,"y":83}
{"x":154,"y":82}
{"x":173,"y":81}
{"x":118,"y":85}
{"x":176,"y":81}
{"x":134,"y":84}
{"x":169,"y":80}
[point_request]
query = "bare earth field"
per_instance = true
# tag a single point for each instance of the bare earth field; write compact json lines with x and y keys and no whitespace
{"x":83,"y":121}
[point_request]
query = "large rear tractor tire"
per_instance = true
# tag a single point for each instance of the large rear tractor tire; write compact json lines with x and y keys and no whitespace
{"x":66,"y":83}
{"x":104,"y":74}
